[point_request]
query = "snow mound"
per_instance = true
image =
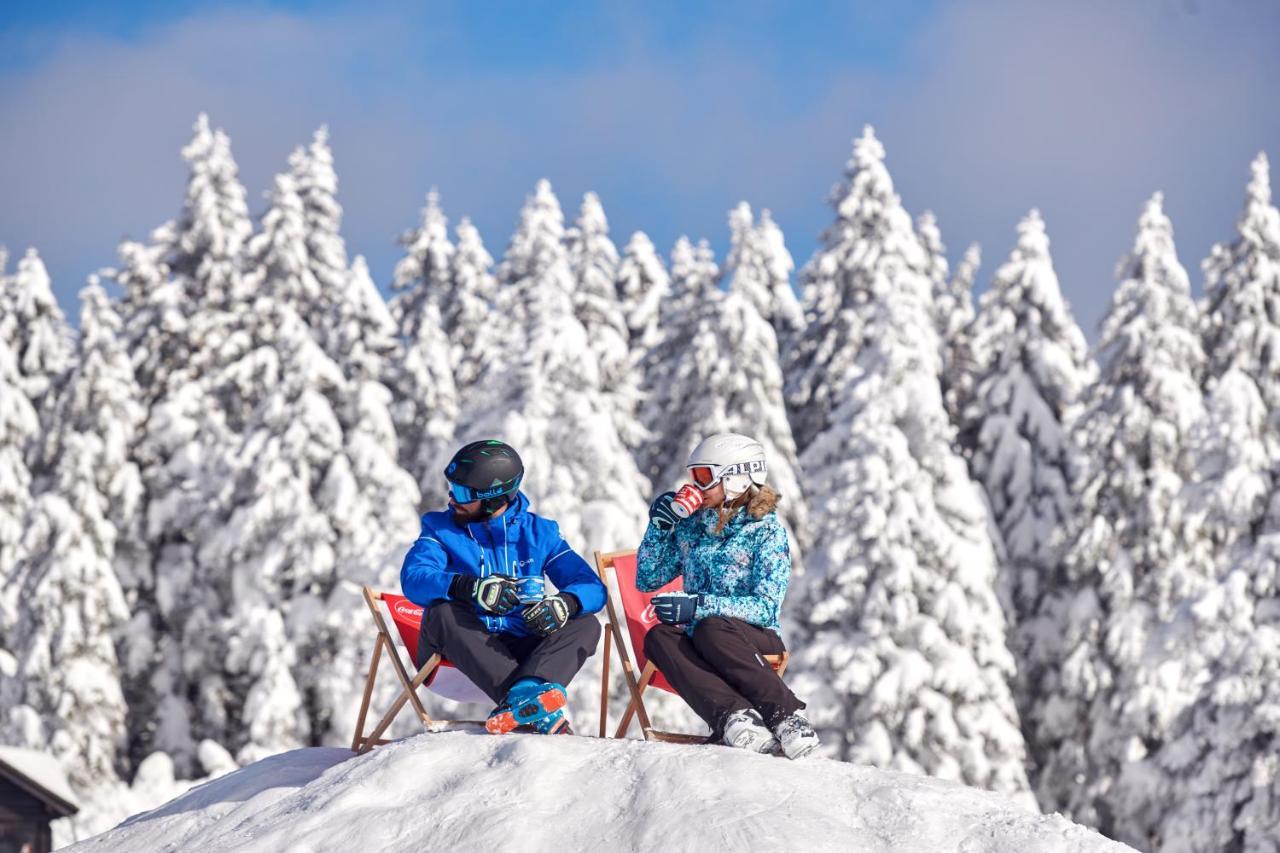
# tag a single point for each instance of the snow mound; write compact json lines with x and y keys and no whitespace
{"x":465,"y":790}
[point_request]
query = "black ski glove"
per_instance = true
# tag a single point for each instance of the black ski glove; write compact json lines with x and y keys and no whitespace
{"x":495,"y":594}
{"x":661,"y":515}
{"x":551,"y":613}
{"x":675,"y":608}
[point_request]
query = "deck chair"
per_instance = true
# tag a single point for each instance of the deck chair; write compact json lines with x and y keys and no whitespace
{"x":637,"y":611}
{"x":436,"y":673}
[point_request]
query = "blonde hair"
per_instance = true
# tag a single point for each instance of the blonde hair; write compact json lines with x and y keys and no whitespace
{"x":759,"y":501}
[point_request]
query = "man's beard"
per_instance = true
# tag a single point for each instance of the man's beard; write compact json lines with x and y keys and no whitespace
{"x":463,"y":516}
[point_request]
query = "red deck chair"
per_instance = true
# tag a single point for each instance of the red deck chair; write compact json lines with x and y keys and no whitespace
{"x":638,"y":612}
{"x":435,"y":673}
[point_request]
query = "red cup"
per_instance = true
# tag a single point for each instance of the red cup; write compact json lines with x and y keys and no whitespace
{"x":687,"y":500}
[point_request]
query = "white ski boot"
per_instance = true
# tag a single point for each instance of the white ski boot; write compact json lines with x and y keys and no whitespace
{"x":746,"y":730}
{"x":796,"y":736}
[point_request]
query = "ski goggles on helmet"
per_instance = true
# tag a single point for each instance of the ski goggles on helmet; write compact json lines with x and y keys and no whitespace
{"x":706,"y":475}
{"x":465,"y":494}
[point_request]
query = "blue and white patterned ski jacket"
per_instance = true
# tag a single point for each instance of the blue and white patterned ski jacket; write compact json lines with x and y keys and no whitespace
{"x":742,"y":572}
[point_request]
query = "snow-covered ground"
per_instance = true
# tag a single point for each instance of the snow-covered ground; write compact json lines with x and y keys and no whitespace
{"x":465,"y":790}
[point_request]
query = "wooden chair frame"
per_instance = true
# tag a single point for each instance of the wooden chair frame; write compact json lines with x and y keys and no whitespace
{"x":386,"y":640}
{"x":614,"y":636}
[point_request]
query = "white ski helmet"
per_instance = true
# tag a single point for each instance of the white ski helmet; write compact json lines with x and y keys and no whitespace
{"x":735,"y":460}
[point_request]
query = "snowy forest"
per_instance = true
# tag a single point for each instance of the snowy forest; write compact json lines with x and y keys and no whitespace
{"x":1022,"y":563}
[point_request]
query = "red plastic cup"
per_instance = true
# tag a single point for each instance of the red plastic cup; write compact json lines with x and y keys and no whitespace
{"x":687,"y":500}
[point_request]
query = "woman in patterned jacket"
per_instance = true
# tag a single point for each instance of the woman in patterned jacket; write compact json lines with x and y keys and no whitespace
{"x":736,"y":564}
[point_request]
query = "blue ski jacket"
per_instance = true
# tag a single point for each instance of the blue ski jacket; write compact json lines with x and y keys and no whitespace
{"x":517,"y":543}
{"x":742,"y":572}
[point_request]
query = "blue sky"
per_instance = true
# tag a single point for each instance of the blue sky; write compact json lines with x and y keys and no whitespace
{"x":672,"y":112}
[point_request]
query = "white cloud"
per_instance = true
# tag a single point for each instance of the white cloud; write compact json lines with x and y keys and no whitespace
{"x":1082,"y":110}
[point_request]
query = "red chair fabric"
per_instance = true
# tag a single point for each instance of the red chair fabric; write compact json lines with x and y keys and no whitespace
{"x":638,"y":611}
{"x":445,"y":680}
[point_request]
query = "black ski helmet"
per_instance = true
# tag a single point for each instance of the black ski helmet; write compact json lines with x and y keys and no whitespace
{"x":488,"y":471}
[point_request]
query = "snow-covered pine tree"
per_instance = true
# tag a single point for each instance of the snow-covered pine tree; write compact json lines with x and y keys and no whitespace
{"x":743,"y":387}
{"x":362,"y":328}
{"x":202,"y":253}
{"x":36,"y":331}
{"x":677,"y":368}
{"x":546,"y":401}
{"x":1030,"y":365}
{"x":320,"y":507}
{"x":758,"y":255}
{"x":822,"y":359}
{"x":100,"y":399}
{"x":1242,"y":296}
{"x":593,"y":260}
{"x":1111,"y":643}
{"x":19,"y":427}
{"x":954,"y":313}
{"x":467,"y":317}
{"x":275,"y":548}
{"x":65,"y":693}
{"x":1219,"y":766}
{"x":376,"y":501}
{"x":180,"y":292}
{"x":901,"y":643}
{"x":426,"y":408}
{"x":642,"y":287}
{"x":424,"y":275}
{"x":320,"y":303}
{"x":1213,"y":766}
{"x":939,"y":273}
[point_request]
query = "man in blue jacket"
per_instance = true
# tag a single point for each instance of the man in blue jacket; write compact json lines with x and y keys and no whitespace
{"x":479,"y":569}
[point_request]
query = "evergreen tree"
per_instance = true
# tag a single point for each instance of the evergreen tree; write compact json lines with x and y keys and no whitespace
{"x":317,"y":186}
{"x":759,"y":258}
{"x":36,"y":331}
{"x":902,"y":644}
{"x":677,"y":369}
{"x":427,"y":407}
{"x":363,"y":330}
{"x":424,"y":275}
{"x":1242,"y":296}
{"x":1208,"y":778}
{"x":1030,"y":367}
{"x":320,"y":505}
{"x":467,"y":319}
{"x":1125,"y":580}
{"x":65,"y":694}
{"x":642,"y":285}
{"x":835,"y":297}
{"x":593,"y":260}
{"x":1219,"y":786}
{"x":939,"y":272}
{"x":546,"y":401}
{"x":954,"y":313}
{"x":180,"y":296}
{"x":744,"y":386}
{"x":18,"y":428}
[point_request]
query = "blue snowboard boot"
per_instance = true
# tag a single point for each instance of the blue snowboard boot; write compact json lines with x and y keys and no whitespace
{"x":534,"y":705}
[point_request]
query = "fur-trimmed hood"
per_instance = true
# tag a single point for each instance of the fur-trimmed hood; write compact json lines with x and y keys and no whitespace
{"x":763,"y":502}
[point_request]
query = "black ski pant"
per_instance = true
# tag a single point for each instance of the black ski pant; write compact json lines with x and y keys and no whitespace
{"x":720,"y":669}
{"x":495,"y":661}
